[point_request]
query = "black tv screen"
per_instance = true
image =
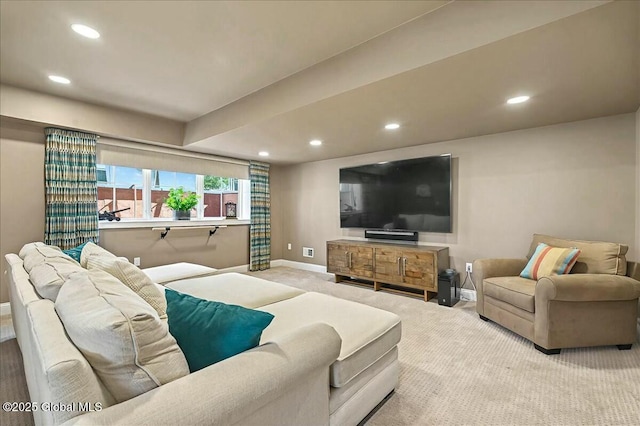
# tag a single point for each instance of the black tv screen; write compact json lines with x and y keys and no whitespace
{"x":410,"y":195}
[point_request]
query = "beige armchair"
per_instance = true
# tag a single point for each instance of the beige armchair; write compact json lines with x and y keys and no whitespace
{"x":596,"y":304}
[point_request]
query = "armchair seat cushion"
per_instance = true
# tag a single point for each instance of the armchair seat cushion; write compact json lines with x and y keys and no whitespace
{"x":516,"y":291}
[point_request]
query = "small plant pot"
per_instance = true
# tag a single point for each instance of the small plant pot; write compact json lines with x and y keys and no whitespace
{"x":182,"y":215}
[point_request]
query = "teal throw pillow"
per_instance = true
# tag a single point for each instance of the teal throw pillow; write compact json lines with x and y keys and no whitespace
{"x":208,"y":331}
{"x":75,"y":252}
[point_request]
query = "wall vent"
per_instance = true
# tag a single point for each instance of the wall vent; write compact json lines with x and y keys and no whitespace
{"x":307,"y":252}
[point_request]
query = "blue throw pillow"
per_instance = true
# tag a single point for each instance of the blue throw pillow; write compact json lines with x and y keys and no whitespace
{"x":75,"y":252}
{"x":208,"y":331}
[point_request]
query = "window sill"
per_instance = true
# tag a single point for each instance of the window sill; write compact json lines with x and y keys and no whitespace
{"x":153,"y":223}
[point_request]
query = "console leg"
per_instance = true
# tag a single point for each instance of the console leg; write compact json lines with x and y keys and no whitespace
{"x":624,"y":347}
{"x":547,"y":351}
{"x":483,"y":318}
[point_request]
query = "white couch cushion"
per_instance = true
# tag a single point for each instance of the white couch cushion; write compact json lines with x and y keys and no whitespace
{"x":56,"y":371}
{"x":48,"y":268}
{"x":48,"y":277}
{"x":177,"y":271}
{"x":236,"y":289}
{"x":132,"y":277}
{"x":39,"y":254}
{"x":121,"y":336}
{"x":91,"y":249}
{"x":367,"y":333}
{"x":339,"y":396}
{"x":28,"y":247}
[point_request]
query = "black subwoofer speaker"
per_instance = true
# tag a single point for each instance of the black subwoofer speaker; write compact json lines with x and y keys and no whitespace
{"x":448,"y":288}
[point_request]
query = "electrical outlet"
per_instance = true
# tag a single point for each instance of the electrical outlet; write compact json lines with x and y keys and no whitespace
{"x":307,"y":252}
{"x":289,"y":246}
{"x":136,"y":261}
{"x":469,"y":267}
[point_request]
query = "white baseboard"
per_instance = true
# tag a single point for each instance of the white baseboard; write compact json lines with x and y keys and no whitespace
{"x":5,"y":308}
{"x":300,"y":265}
{"x":240,"y":268}
{"x":466,"y":294}
{"x":278,"y":262}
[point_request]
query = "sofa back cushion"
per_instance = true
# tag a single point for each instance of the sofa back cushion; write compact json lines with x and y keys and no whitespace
{"x":122,"y":337}
{"x":28,"y":247}
{"x":34,"y":254}
{"x":48,"y":268}
{"x":91,"y":249}
{"x":55,"y":370}
{"x":132,"y":277}
{"x":596,"y":257}
{"x":48,"y":277}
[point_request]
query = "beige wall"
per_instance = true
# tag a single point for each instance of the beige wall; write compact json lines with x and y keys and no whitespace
{"x":574,"y":180}
{"x":37,"y":107}
{"x":276,"y":174}
{"x":22,"y":209}
{"x":577,"y":180}
{"x":227,"y":247}
{"x":637,"y":246}
{"x":21,"y":191}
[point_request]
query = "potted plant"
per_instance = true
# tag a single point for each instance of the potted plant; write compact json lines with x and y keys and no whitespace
{"x":181,"y":202}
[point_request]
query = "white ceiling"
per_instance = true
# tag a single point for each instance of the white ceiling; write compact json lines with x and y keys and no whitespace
{"x":252,"y":76}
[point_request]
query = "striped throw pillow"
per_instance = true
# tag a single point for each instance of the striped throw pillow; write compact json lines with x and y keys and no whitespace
{"x":547,"y":261}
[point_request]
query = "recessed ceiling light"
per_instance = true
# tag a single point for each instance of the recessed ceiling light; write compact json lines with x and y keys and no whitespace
{"x":85,"y":31}
{"x":263,"y":154}
{"x":315,"y":142}
{"x":58,"y":79}
{"x":392,"y":126}
{"x":518,"y":100}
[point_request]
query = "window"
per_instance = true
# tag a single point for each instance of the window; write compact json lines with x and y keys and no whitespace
{"x":218,"y":191}
{"x":161,"y":182}
{"x":143,"y":191}
{"x":120,"y":188}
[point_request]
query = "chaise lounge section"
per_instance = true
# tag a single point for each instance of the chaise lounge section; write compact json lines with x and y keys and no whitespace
{"x":367,"y":368}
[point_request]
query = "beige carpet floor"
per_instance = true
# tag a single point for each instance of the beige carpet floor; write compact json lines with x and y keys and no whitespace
{"x":458,"y":370}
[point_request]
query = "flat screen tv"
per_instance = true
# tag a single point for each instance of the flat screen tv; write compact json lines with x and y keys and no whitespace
{"x":413,"y":195}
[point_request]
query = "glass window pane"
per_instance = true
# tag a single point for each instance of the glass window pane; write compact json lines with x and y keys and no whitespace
{"x":120,"y":188}
{"x":161,"y":182}
{"x":217,"y":192}
{"x":164,"y":180}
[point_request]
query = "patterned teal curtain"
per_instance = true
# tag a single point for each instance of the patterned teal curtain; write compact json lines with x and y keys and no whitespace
{"x":71,"y":191}
{"x":260,"y":234}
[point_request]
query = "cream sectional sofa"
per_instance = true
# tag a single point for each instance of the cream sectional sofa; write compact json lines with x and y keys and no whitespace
{"x":367,"y":368}
{"x":321,"y":361}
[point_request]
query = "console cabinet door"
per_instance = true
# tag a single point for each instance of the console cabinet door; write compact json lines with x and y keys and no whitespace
{"x":388,"y":265}
{"x":338,"y":258}
{"x":360,"y":261}
{"x":419,"y":269}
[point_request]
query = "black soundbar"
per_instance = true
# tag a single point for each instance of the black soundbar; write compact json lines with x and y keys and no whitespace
{"x":391,"y":234}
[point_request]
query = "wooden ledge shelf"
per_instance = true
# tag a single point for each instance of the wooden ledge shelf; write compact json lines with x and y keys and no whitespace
{"x":165,"y":229}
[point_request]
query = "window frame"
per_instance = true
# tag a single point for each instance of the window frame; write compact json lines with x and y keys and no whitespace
{"x":243,"y":210}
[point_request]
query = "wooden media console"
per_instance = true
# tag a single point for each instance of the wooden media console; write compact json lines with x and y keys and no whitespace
{"x":388,"y":266}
